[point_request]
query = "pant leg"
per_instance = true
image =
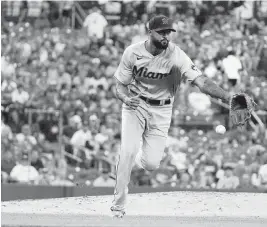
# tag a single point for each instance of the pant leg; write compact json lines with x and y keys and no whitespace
{"x":155,"y":137}
{"x":133,"y":125}
{"x":153,"y":150}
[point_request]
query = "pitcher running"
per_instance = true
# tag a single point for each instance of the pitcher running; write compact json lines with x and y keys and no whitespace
{"x":148,"y":76}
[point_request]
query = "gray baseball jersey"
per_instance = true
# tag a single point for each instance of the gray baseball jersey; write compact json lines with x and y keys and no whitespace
{"x":160,"y":75}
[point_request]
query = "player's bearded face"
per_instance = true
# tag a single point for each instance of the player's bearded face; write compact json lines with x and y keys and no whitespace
{"x":161,"y":44}
{"x":160,"y":41}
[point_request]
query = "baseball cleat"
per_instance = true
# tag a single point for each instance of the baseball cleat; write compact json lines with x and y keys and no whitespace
{"x":117,"y":213}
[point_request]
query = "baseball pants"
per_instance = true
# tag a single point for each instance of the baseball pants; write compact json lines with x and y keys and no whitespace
{"x":147,"y":125}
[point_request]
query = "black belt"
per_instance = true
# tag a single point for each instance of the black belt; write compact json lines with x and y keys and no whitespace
{"x":154,"y":102}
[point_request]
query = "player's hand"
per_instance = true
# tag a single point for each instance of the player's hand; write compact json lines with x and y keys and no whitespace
{"x":132,"y":102}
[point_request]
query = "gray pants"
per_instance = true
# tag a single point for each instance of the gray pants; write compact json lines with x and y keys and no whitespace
{"x":147,"y":124}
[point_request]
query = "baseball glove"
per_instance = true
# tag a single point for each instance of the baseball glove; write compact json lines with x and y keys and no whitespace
{"x":241,"y":107}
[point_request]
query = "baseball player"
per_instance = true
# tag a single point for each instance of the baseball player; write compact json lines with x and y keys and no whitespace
{"x":147,"y":78}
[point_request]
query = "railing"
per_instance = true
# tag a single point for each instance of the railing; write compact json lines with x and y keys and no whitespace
{"x":78,"y":14}
{"x":22,"y":191}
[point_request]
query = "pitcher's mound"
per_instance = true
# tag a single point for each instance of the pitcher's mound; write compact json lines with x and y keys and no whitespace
{"x":146,"y":209}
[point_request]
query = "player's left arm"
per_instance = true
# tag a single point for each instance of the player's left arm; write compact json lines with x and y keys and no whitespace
{"x":207,"y":86}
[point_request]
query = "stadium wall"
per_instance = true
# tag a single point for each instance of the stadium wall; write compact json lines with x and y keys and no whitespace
{"x":22,"y":192}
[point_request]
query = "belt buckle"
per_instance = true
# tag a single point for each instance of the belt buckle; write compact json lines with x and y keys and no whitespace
{"x":162,"y":102}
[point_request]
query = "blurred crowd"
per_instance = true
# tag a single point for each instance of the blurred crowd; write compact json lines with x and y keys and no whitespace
{"x":60,"y":121}
{"x":206,"y":160}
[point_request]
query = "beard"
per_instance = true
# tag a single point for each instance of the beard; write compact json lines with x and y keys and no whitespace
{"x":163,"y":44}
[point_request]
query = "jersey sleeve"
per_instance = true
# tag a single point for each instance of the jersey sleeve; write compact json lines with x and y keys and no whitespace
{"x":187,"y":67}
{"x":124,"y":71}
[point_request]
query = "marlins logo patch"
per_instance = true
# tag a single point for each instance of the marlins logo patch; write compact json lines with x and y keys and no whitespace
{"x":165,"y":20}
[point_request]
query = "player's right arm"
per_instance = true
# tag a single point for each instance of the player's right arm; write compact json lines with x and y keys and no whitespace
{"x":123,"y":95}
{"x":124,"y":77}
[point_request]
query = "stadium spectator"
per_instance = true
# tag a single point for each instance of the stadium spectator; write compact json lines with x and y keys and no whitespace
{"x":24,"y":11}
{"x":6,"y":133}
{"x":23,"y":172}
{"x":95,"y":24}
{"x":228,"y":180}
{"x":42,"y":21}
{"x":80,"y":137}
{"x":185,"y":180}
{"x":74,"y":123}
{"x":263,"y":172}
{"x":7,"y":163}
{"x":177,"y":158}
{"x":45,"y":177}
{"x":203,"y":177}
{"x":48,"y":172}
{"x":36,"y":161}
{"x":159,"y":179}
{"x":108,"y":51}
{"x":66,"y":9}
{"x":19,"y":95}
{"x":62,"y":168}
{"x":25,"y":136}
{"x":232,"y":66}
{"x":245,"y":182}
{"x":104,"y":180}
{"x":54,"y":171}
{"x":8,"y":85}
{"x":141,"y":177}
